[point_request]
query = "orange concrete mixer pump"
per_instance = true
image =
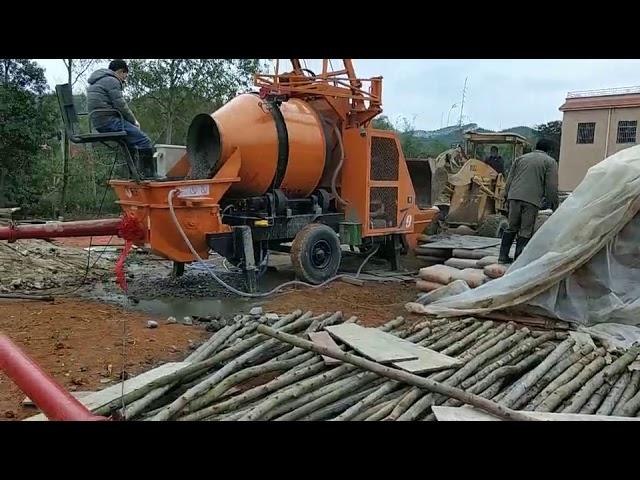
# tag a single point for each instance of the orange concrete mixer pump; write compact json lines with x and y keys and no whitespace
{"x":297,"y":163}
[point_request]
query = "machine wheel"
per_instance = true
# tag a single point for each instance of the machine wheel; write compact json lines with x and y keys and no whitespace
{"x":493,"y":226}
{"x":315,"y":253}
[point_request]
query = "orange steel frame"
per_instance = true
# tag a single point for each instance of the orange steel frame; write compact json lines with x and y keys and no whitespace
{"x":340,"y":88}
{"x":355,"y":107}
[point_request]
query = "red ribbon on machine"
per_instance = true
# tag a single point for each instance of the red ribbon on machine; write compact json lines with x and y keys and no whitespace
{"x":130,"y":231}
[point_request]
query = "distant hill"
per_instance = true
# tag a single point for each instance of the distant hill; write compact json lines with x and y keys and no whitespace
{"x":454,"y":134}
{"x":441,"y":132}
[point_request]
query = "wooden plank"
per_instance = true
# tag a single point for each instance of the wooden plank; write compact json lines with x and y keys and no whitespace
{"x":379,"y":346}
{"x":428,"y":361}
{"x":425,"y":359}
{"x":470,"y":414}
{"x":27,"y":402}
{"x":325,"y":340}
{"x":102,"y":397}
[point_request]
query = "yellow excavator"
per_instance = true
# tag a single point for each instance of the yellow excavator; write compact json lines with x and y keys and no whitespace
{"x":468,"y":191}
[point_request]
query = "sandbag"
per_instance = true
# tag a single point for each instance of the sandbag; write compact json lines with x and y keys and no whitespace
{"x":489,"y":260}
{"x":454,"y":288}
{"x":426,"y":286}
{"x":474,"y":254}
{"x":473,"y":276}
{"x":438,"y":274}
{"x":461,"y":263}
{"x":462,"y":230}
{"x":495,"y":270}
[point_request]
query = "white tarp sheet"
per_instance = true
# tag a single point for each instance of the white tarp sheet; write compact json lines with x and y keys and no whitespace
{"x":583,"y":265}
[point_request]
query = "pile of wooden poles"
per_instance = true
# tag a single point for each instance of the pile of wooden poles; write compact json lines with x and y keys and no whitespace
{"x":242,"y":374}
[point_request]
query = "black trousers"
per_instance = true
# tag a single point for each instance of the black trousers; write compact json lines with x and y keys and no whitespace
{"x":522,"y":218}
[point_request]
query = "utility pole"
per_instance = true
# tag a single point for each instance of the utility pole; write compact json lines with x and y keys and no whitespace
{"x":464,"y":93}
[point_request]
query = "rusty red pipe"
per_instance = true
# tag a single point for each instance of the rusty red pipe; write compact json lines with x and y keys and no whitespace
{"x":54,"y":401}
{"x":83,"y":228}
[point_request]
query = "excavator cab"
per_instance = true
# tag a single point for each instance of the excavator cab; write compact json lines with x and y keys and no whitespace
{"x":473,"y":193}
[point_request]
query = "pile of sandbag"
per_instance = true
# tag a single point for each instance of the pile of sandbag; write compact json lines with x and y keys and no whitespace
{"x":471,"y":272}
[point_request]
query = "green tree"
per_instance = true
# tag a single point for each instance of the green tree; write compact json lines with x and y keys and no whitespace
{"x":167,"y":88}
{"x":77,"y":69}
{"x":27,"y":122}
{"x":382,"y":122}
{"x":552,"y":131}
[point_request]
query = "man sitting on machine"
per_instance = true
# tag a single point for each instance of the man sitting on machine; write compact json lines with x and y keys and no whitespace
{"x":494,"y":160}
{"x":105,"y":93}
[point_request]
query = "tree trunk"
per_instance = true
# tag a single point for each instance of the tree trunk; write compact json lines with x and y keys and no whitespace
{"x":597,"y":398}
{"x":368,"y":401}
{"x":603,"y":376}
{"x":529,"y":380}
{"x":520,"y":349}
{"x":398,"y":375}
{"x":352,"y":384}
{"x":632,"y":406}
{"x":65,"y":155}
{"x":629,"y":392}
{"x":614,"y":395}
{"x":568,"y":359}
{"x":169,"y":132}
{"x":405,"y":402}
{"x":463,"y":342}
{"x":337,"y":406}
{"x":509,"y":370}
{"x":563,"y":392}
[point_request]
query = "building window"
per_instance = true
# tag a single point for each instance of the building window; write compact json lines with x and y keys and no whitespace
{"x":586,"y":132}
{"x":627,"y":131}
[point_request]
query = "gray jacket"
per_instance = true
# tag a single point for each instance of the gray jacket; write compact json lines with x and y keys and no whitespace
{"x":105,"y":91}
{"x":534,"y":178}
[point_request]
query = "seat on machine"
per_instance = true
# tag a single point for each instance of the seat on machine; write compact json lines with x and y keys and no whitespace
{"x":70,"y":118}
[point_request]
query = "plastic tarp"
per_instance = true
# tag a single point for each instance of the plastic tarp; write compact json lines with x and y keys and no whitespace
{"x":583,"y":265}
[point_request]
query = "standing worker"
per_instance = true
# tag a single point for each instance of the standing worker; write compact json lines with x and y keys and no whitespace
{"x":532,"y":181}
{"x":105,"y":92}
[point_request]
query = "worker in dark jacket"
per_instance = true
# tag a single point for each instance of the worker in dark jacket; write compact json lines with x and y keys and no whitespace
{"x":105,"y":92}
{"x":533,"y":179}
{"x":494,"y":160}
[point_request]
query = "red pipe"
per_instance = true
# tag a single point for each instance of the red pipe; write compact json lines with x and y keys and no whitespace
{"x":83,"y":228}
{"x":54,"y":401}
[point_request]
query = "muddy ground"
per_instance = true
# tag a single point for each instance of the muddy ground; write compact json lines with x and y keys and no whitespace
{"x":78,"y":338}
{"x":79,"y":343}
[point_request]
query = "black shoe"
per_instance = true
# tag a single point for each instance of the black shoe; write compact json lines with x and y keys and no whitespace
{"x":521,"y":242}
{"x":505,"y":246}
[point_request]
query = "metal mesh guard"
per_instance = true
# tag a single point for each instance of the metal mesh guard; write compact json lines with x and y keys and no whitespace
{"x":383,"y":207}
{"x":384,"y":159}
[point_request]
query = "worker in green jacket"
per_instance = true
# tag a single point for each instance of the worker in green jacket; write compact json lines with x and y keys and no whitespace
{"x":532,"y":182}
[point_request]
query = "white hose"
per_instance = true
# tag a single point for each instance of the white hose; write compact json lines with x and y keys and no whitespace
{"x":240,"y":292}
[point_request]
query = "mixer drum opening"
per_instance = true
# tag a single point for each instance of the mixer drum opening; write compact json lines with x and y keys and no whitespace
{"x":203,"y":146}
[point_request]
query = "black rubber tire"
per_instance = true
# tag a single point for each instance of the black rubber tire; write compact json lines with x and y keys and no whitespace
{"x":492,"y":226}
{"x":316,"y":253}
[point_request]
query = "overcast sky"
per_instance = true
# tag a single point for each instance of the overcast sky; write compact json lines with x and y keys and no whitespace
{"x":500,"y":93}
